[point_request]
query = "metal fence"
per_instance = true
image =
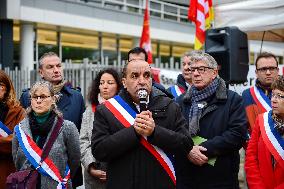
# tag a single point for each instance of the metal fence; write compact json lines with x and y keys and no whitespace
{"x":77,"y":74}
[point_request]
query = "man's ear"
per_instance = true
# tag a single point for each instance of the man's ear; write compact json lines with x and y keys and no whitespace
{"x":40,"y":73}
{"x":123,"y":82}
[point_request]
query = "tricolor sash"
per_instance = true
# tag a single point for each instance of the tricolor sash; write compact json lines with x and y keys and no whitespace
{"x":126,"y":115}
{"x":4,"y":130}
{"x":261,"y":100}
{"x":177,"y":90}
{"x":33,"y":154}
{"x":272,"y":138}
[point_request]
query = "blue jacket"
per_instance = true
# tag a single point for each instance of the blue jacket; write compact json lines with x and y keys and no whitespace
{"x":71,"y":104}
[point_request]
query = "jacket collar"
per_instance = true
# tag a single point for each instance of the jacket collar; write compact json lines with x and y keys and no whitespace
{"x":221,"y":92}
{"x":182,"y":82}
{"x":25,"y":125}
{"x":67,"y":90}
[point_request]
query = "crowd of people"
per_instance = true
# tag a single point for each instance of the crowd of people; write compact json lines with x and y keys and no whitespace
{"x":133,"y":133}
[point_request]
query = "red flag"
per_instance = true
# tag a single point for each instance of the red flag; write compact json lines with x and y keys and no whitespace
{"x":192,"y":10}
{"x":145,"y":41}
{"x":204,"y":10}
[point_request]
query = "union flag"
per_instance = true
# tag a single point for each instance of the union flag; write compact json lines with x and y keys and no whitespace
{"x":145,"y":41}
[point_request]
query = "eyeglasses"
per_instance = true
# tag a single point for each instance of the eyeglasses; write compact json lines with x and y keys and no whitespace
{"x":200,"y":69}
{"x":41,"y":97}
{"x":264,"y":69}
{"x":277,"y":96}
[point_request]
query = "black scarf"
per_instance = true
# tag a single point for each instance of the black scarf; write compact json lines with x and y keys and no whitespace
{"x":40,"y":131}
{"x":3,"y":111}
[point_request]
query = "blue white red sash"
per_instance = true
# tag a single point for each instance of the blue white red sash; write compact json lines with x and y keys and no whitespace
{"x":4,"y":130}
{"x":261,"y":100}
{"x":177,"y":90}
{"x":33,"y":154}
{"x":126,"y":115}
{"x":272,"y":138}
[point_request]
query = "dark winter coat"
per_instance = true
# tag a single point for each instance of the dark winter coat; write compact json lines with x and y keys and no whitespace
{"x":223,"y":124}
{"x":130,"y":165}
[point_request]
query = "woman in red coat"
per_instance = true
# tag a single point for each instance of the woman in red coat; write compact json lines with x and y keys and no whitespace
{"x":264,"y":162}
{"x":11,"y":113}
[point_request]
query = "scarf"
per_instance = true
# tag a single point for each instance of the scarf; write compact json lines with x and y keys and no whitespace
{"x":3,"y":111}
{"x":198,"y":102}
{"x":279,"y":124}
{"x":40,"y":130}
{"x":57,"y":88}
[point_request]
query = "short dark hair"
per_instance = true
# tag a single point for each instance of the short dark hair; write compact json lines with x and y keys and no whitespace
{"x":48,"y":54}
{"x":137,"y":50}
{"x":94,"y":89}
{"x":278,"y":83}
{"x":265,"y":55}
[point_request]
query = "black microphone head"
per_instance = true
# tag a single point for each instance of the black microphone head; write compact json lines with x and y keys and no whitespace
{"x":142,"y":95}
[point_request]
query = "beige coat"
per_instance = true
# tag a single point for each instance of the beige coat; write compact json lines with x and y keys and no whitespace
{"x":86,"y":152}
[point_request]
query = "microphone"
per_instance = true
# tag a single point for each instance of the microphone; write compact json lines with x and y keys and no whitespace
{"x":142,"y":95}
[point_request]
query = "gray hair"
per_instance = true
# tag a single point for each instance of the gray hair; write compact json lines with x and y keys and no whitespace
{"x":48,"y":54}
{"x":44,"y":84}
{"x":191,"y":53}
{"x":206,"y":58}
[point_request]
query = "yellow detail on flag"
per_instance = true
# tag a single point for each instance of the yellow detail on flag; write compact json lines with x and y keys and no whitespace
{"x":201,"y":13}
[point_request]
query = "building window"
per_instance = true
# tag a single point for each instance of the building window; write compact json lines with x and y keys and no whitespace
{"x":78,"y":46}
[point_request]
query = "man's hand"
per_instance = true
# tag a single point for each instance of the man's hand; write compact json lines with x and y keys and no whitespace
{"x":196,"y":156}
{"x":144,"y":123}
{"x":97,"y":173}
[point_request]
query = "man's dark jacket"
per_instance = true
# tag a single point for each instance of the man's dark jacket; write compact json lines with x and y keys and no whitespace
{"x":223,"y":123}
{"x":72,"y":105}
{"x":130,"y":165}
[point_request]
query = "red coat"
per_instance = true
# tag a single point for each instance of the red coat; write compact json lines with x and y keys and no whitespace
{"x":14,"y":116}
{"x":258,"y":164}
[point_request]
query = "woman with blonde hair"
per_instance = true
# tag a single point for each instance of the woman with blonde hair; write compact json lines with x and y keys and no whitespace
{"x":11,"y":113}
{"x":39,"y":126}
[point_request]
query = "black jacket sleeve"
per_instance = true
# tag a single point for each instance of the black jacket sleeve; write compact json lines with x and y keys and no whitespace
{"x":107,"y":144}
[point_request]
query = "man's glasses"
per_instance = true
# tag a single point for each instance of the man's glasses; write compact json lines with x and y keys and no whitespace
{"x":264,"y":69}
{"x":200,"y":69}
{"x":277,"y":96}
{"x":41,"y":97}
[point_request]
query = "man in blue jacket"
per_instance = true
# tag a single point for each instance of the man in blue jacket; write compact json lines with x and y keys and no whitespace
{"x":69,"y":101}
